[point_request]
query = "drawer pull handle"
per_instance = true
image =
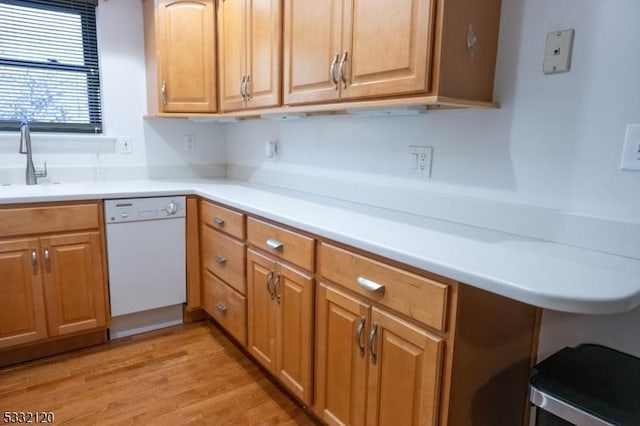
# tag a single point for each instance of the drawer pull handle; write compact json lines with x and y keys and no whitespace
{"x":269,"y":283}
{"x":218,"y":221}
{"x":276,"y":286}
{"x":274,"y":244}
{"x":221,"y":307}
{"x":34,"y":261}
{"x":221,"y":260}
{"x":371,"y":286}
{"x":372,"y":340}
{"x":359,"y":331}
{"x":47,"y":260}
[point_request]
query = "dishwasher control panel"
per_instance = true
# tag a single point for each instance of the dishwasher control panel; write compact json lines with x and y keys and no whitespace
{"x":139,"y":209}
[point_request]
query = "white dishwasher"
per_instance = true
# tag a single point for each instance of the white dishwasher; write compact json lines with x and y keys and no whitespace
{"x":146,"y":256}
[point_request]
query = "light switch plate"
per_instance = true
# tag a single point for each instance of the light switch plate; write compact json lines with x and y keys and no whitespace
{"x":631,"y":149}
{"x":124,"y":145}
{"x":557,"y":53}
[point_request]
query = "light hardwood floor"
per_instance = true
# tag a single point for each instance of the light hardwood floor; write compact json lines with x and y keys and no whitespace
{"x":189,"y":374}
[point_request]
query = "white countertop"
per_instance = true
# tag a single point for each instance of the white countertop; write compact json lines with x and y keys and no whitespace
{"x":545,"y":274}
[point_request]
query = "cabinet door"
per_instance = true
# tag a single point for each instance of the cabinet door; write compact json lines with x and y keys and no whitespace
{"x":312,"y":39}
{"x":341,"y":362}
{"x":232,"y":53}
{"x":264,"y":29}
{"x":74,"y":283}
{"x":390,"y":47}
{"x":22,"y":315}
{"x":261,"y":309}
{"x":404,"y":373}
{"x":186,"y":55}
{"x":294,"y":296}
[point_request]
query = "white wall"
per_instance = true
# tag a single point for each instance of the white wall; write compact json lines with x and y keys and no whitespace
{"x":158,"y":145}
{"x":555,"y":144}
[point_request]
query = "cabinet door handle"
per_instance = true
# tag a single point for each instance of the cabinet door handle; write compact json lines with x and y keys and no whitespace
{"x":242,"y":93}
{"x":371,"y":286}
{"x":343,"y":77}
{"x":246,"y":87}
{"x":332,"y":71}
{"x":269,"y":284}
{"x":47,"y":260}
{"x":359,"y":331}
{"x":221,"y":260}
{"x":163,"y":93}
{"x":276,"y":286}
{"x":34,"y":261}
{"x":221,"y":307}
{"x":274,"y":244}
{"x":217,"y":221}
{"x":372,"y":340}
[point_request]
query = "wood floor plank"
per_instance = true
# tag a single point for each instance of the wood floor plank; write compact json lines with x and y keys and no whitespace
{"x":186,"y":375}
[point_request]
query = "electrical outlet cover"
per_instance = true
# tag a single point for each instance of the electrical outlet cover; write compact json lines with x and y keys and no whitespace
{"x":420,"y":159}
{"x":557,"y":53}
{"x":189,"y":143}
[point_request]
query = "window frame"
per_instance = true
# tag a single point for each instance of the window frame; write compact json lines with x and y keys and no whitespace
{"x":91,"y":65}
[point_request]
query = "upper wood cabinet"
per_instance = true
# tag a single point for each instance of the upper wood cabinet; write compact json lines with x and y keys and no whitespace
{"x":357,"y":49}
{"x":204,"y":56}
{"x":249,"y":53}
{"x":180,"y":48}
{"x":386,"y":47}
{"x":311,"y":57}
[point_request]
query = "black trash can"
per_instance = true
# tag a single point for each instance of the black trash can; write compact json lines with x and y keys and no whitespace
{"x":587,"y":385}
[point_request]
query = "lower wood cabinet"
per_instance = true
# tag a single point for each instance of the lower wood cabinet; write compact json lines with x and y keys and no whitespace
{"x":52,"y":284}
{"x":399,"y":346}
{"x":280,"y":321}
{"x":222,"y":283}
{"x":73,"y":283}
{"x":22,"y":315}
{"x":373,"y":367}
{"x":379,"y":343}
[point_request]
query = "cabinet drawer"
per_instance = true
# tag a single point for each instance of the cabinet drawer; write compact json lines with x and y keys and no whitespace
{"x":41,"y":220}
{"x":226,"y":306}
{"x":288,"y":245}
{"x":224,"y":256}
{"x":417,"y":297}
{"x":223,"y":219}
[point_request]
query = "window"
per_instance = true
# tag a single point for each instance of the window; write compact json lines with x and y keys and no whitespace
{"x":49,"y":74}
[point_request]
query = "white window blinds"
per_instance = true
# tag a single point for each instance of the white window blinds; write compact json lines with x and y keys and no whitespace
{"x":49,"y":73}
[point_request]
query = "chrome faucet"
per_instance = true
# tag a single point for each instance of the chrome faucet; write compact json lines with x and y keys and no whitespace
{"x":25,"y":148}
